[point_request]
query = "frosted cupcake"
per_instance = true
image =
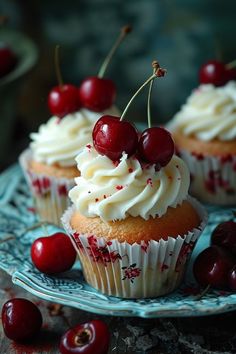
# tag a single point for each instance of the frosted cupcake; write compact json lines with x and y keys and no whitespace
{"x":49,"y":164}
{"x":204,"y":131}
{"x":132,"y":221}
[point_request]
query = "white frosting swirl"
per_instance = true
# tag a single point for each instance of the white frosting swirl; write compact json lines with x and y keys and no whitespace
{"x":59,"y":141}
{"x":115,"y":192}
{"x":209,"y":113}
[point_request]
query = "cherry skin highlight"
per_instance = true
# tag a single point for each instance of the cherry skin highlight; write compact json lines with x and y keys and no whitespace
{"x":225,"y":235}
{"x":212,"y":266}
{"x":156,"y":146}
{"x":63,"y":100}
{"x":21,"y":319}
{"x":232,"y":279}
{"x":8,"y":59}
{"x":53,"y":254}
{"x":213,"y":72}
{"x":112,"y":137}
{"x":87,"y":338}
{"x":97,"y":94}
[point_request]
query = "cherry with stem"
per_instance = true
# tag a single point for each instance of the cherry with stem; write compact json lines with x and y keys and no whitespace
{"x":62,"y":99}
{"x":95,"y":92}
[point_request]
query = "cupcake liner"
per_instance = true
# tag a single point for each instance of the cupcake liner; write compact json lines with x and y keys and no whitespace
{"x":213,"y":179}
{"x":50,"y":193}
{"x":148,"y":269}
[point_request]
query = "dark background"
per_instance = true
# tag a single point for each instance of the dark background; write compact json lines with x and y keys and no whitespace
{"x":181,"y":34}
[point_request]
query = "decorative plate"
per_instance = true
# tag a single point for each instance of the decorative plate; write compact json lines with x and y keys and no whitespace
{"x":17,"y":216}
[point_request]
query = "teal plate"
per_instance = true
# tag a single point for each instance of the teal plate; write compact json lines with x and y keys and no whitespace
{"x":17,"y":215}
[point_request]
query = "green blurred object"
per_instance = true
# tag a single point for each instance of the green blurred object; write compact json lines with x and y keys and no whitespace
{"x":26,"y":52}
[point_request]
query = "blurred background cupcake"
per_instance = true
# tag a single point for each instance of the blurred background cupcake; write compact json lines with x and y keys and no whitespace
{"x":205,"y":133}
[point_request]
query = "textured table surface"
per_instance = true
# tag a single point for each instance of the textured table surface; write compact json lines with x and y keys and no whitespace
{"x":214,"y":334}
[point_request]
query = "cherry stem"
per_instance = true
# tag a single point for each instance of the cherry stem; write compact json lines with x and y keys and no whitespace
{"x":123,"y":33}
{"x":57,"y":66}
{"x":158,"y":73}
{"x":198,"y":297}
{"x":231,"y":65}
{"x":155,"y":66}
{"x":9,"y":238}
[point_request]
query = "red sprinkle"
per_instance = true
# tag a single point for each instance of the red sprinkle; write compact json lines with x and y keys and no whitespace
{"x":96,"y":200}
{"x":119,"y":187}
{"x":88,"y":146}
{"x":104,"y":196}
{"x":131,"y":170}
{"x":149,"y":181}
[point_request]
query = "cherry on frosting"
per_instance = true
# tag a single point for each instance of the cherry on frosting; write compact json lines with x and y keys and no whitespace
{"x":217,"y":73}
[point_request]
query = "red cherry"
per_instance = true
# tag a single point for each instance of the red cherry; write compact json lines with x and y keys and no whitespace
{"x":213,"y":72}
{"x":63,"y":100}
{"x":53,"y":254}
{"x":21,"y":319}
{"x":87,"y":338}
{"x":8,"y":59}
{"x":156,"y":146}
{"x":232,"y":279}
{"x":225,"y":235}
{"x":212,"y":266}
{"x":97,"y":94}
{"x":231,"y":74}
{"x":112,"y":137}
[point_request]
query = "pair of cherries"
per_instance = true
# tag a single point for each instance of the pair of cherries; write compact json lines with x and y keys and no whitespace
{"x":94,"y":93}
{"x":112,"y":137}
{"x":216,"y":265}
{"x":22,"y":321}
{"x":217,"y":73}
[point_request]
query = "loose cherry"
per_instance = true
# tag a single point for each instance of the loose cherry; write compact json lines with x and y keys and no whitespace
{"x":8,"y":59}
{"x":156,"y":146}
{"x":225,"y":235}
{"x":21,"y":319}
{"x":212,"y":266}
{"x":97,"y":93}
{"x":53,"y":254}
{"x":232,"y":279}
{"x":213,"y":72}
{"x":112,"y":137}
{"x":62,"y":99}
{"x":87,"y":338}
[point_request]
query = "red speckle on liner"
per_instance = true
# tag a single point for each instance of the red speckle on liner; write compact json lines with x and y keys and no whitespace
{"x":31,"y":209}
{"x":226,"y":158}
{"x":130,"y":170}
{"x":88,"y":146}
{"x":109,"y":243}
{"x":62,"y":190}
{"x":198,"y":156}
{"x":96,"y":200}
{"x":164,"y":267}
{"x":149,"y":181}
{"x":170,"y":177}
{"x":119,"y":187}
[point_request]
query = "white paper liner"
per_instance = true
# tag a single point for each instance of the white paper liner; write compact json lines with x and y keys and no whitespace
{"x":213,"y":179}
{"x":137,"y":270}
{"x":50,"y":193}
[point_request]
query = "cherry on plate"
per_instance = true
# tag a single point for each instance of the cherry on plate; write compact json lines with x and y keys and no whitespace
{"x":225,"y":235}
{"x":87,"y":338}
{"x":232,"y":279}
{"x":112,"y":137}
{"x":97,"y":94}
{"x":156,"y":146}
{"x":212,"y":266}
{"x":63,"y":99}
{"x":21,"y":319}
{"x":53,"y":254}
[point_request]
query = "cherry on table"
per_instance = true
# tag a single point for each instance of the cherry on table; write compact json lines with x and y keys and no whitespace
{"x":21,"y":319}
{"x":225,"y":235}
{"x":63,"y":99}
{"x":53,"y":254}
{"x":8,"y":59}
{"x":87,"y":338}
{"x":112,"y":137}
{"x":212,"y":266}
{"x":213,"y":72}
{"x":156,"y":146}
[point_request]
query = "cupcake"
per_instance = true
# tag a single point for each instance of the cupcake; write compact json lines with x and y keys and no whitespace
{"x":204,"y":131}
{"x":49,"y":163}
